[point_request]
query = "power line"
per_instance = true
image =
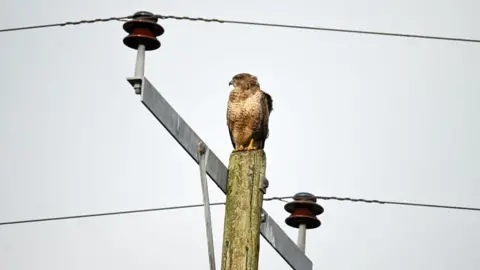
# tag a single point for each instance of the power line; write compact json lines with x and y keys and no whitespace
{"x":386,"y":202}
{"x":282,"y":199}
{"x":107,"y":214}
{"x":291,"y":26}
{"x":65,"y":24}
{"x":319,"y":28}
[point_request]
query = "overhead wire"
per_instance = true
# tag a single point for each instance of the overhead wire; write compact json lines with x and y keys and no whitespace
{"x":252,"y":23}
{"x":66,"y":23}
{"x":282,"y":199}
{"x":385,"y":202}
{"x":315,"y":28}
{"x":108,"y":214}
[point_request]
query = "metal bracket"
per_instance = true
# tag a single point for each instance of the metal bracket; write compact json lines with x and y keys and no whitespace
{"x":264,"y":184}
{"x":136,"y":83}
{"x":202,"y":152}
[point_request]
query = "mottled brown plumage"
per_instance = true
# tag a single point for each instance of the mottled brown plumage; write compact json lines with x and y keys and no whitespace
{"x":248,"y":112}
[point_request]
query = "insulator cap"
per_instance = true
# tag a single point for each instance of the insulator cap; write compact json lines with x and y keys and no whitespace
{"x":143,"y":29}
{"x":304,"y":210}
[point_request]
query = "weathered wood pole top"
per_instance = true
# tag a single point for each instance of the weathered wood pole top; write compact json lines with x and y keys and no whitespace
{"x":241,"y":238}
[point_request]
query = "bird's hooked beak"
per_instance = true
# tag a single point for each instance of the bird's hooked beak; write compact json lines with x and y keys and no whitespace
{"x":230,"y":83}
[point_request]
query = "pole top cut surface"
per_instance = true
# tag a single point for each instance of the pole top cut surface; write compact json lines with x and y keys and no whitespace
{"x":143,"y":29}
{"x":303,"y":210}
{"x":244,"y":153}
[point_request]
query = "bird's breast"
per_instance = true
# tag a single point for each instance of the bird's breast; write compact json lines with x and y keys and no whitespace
{"x":242,"y":108}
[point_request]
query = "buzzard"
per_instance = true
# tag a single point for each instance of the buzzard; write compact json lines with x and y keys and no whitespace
{"x":248,"y":111}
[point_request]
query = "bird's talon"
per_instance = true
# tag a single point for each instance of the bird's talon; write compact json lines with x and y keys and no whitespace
{"x":250,"y":145}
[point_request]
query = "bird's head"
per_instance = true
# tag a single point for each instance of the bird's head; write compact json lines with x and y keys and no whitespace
{"x":244,"y":81}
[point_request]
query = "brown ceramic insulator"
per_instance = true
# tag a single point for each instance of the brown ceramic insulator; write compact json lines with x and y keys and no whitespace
{"x":296,"y":220}
{"x":304,"y":210}
{"x":143,"y":30}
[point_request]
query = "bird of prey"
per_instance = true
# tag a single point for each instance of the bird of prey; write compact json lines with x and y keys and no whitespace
{"x":248,"y":112}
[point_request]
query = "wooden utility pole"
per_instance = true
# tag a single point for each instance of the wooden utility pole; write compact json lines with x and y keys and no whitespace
{"x":243,"y":209}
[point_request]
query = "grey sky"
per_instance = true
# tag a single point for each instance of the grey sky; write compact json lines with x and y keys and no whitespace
{"x":354,"y":115}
